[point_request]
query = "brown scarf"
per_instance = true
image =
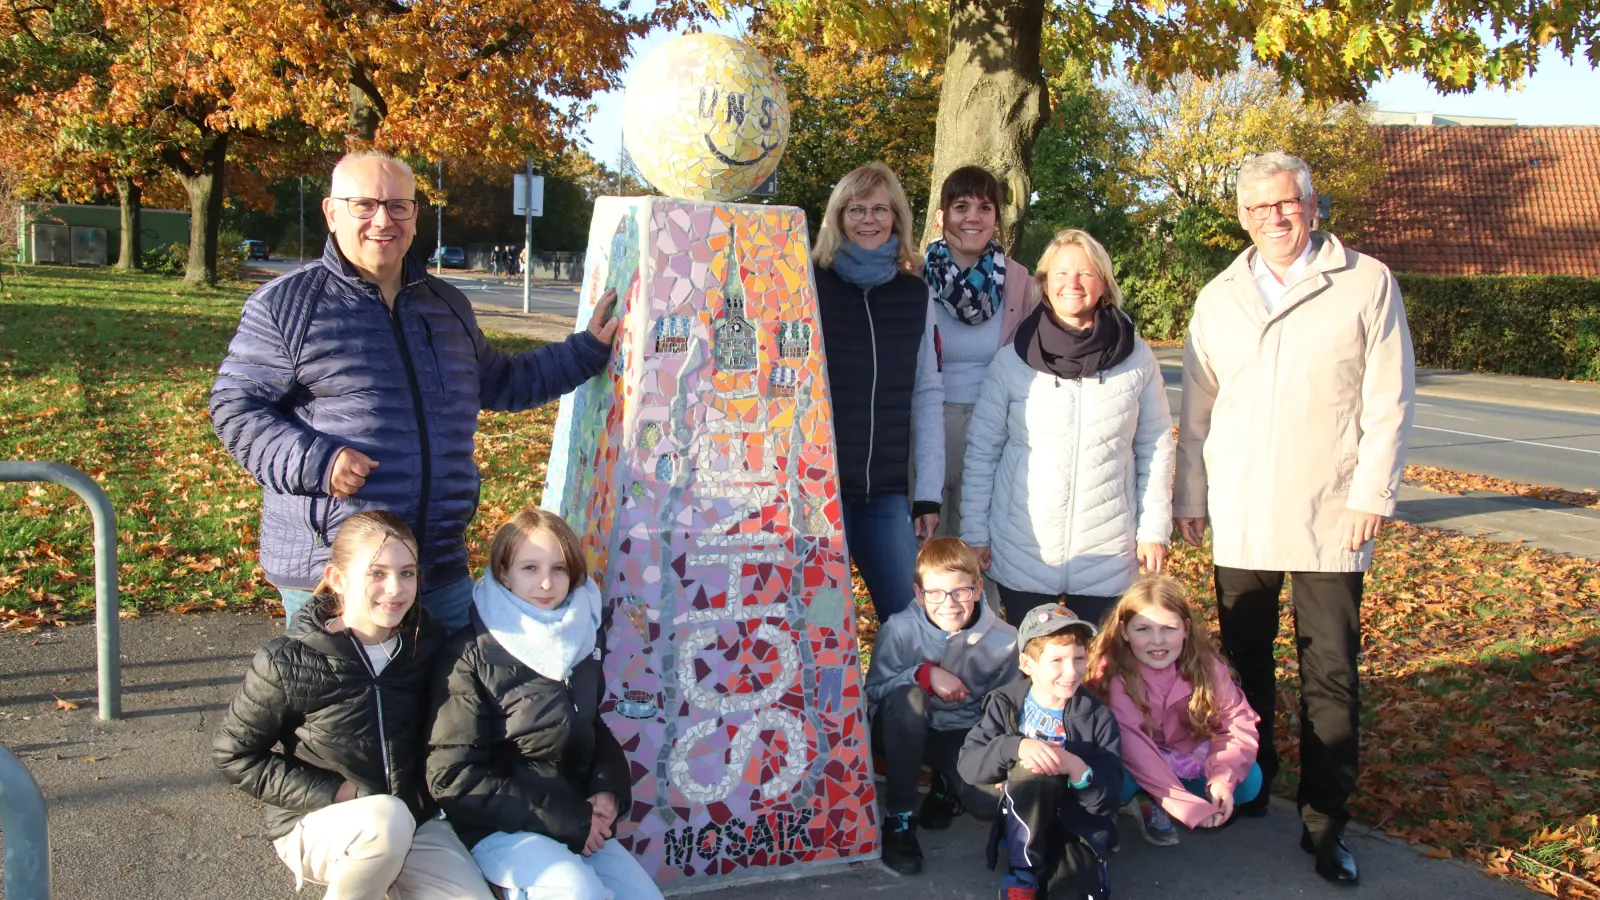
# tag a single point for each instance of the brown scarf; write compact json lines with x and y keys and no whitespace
{"x":1049,"y":346}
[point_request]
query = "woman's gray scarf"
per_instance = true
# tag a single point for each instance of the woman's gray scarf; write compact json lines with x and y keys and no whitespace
{"x":548,"y":641}
{"x":868,"y":268}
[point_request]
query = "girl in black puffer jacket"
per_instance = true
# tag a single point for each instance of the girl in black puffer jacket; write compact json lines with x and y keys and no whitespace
{"x":327,"y":730}
{"x":520,"y":758}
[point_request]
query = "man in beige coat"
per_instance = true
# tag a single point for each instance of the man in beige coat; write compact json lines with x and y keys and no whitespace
{"x":1297,"y":402}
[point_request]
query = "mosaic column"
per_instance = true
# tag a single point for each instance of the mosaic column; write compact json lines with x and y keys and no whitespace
{"x":700,"y":472}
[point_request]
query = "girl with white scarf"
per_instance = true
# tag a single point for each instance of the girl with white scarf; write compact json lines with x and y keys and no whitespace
{"x":519,"y":757}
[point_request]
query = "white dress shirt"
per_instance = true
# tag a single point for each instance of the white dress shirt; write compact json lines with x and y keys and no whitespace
{"x":1273,"y":290}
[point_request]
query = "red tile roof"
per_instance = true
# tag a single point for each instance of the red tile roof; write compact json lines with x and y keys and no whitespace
{"x":1487,"y":201}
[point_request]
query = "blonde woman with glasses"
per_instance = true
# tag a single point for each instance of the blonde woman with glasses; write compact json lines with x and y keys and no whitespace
{"x":888,"y":399}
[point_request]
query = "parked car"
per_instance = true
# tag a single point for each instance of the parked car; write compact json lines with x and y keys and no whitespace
{"x":454,"y":257}
{"x":254,"y":249}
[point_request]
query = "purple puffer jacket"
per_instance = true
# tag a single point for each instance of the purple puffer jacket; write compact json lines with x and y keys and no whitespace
{"x":320,"y":363}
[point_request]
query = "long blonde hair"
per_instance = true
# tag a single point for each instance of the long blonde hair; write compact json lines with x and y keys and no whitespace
{"x":1111,"y":657}
{"x":858,"y":183}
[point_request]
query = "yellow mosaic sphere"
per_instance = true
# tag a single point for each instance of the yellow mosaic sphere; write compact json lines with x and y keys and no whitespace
{"x":705,"y":118}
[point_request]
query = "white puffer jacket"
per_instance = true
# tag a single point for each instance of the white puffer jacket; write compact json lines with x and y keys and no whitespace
{"x":1063,"y":478}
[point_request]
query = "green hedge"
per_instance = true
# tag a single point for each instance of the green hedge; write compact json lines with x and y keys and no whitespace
{"x":1547,"y":326}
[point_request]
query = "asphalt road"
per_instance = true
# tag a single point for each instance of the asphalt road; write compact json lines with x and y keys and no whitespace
{"x":1536,"y":446}
{"x":549,"y":298}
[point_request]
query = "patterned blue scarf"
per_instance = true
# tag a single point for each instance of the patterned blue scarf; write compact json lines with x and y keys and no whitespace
{"x":971,"y":295}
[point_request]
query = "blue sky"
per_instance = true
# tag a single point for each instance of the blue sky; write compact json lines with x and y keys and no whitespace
{"x":1555,"y":95}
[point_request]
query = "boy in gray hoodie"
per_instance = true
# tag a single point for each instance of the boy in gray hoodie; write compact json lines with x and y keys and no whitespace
{"x":932,"y":664}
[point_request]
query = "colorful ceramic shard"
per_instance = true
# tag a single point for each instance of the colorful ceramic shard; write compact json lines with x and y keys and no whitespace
{"x":705,"y":118}
{"x":733,"y":681}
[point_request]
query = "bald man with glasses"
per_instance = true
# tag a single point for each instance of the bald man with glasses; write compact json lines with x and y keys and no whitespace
{"x":1297,"y":403}
{"x":355,"y":382}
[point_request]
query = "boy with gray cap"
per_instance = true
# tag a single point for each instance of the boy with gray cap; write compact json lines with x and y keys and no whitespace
{"x":1057,"y":751}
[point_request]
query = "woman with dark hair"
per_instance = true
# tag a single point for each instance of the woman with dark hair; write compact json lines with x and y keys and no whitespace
{"x":883,"y":373}
{"x":328,"y":730}
{"x":980,"y":296}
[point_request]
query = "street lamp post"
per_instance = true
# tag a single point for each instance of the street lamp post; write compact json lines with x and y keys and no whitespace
{"x":438,"y":216}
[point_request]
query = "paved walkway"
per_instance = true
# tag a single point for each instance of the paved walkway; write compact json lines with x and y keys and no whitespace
{"x":138,"y":810}
{"x":1509,"y":518}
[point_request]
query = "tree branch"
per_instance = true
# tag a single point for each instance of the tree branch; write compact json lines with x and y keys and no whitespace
{"x":504,"y":45}
{"x":361,"y":81}
{"x":173,"y":157}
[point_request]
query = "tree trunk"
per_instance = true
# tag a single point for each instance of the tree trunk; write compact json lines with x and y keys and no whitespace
{"x":367,"y":109}
{"x":993,"y":103}
{"x":205,"y":189}
{"x":132,"y":243}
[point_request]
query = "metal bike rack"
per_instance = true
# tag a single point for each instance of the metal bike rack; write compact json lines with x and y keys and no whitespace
{"x":26,"y":864}
{"x":107,"y":638}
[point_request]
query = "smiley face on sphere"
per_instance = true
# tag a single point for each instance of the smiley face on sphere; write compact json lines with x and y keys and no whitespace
{"x":705,"y":118}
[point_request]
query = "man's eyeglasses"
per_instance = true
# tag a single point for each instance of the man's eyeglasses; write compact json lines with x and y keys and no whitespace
{"x":367,"y":207}
{"x":1289,"y":207}
{"x":859,"y":213}
{"x":961,"y":596}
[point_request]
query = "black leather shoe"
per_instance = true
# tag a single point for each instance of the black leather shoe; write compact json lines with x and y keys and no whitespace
{"x":1336,"y":864}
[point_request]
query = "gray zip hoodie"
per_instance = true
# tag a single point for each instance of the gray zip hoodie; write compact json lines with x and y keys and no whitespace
{"x":983,"y":655}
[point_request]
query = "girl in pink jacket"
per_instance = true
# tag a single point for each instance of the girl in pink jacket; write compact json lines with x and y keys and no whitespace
{"x":1188,"y":735}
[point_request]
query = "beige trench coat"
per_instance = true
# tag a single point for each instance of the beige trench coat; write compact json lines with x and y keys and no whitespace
{"x":1290,"y":419}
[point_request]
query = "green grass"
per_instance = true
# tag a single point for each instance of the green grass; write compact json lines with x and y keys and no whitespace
{"x":111,"y":372}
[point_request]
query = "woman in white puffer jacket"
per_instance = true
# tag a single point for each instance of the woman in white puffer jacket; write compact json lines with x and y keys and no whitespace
{"x":1067,"y":480}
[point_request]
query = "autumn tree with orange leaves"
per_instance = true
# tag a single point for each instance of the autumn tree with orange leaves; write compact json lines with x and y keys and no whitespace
{"x":492,"y":81}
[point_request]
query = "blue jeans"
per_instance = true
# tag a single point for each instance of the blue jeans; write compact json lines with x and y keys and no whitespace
{"x":1243,"y":792}
{"x":878,"y":534}
{"x":448,"y":604}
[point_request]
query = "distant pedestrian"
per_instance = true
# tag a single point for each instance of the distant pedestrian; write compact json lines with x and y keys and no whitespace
{"x":496,"y":261}
{"x":1297,"y":403}
{"x":355,"y":383}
